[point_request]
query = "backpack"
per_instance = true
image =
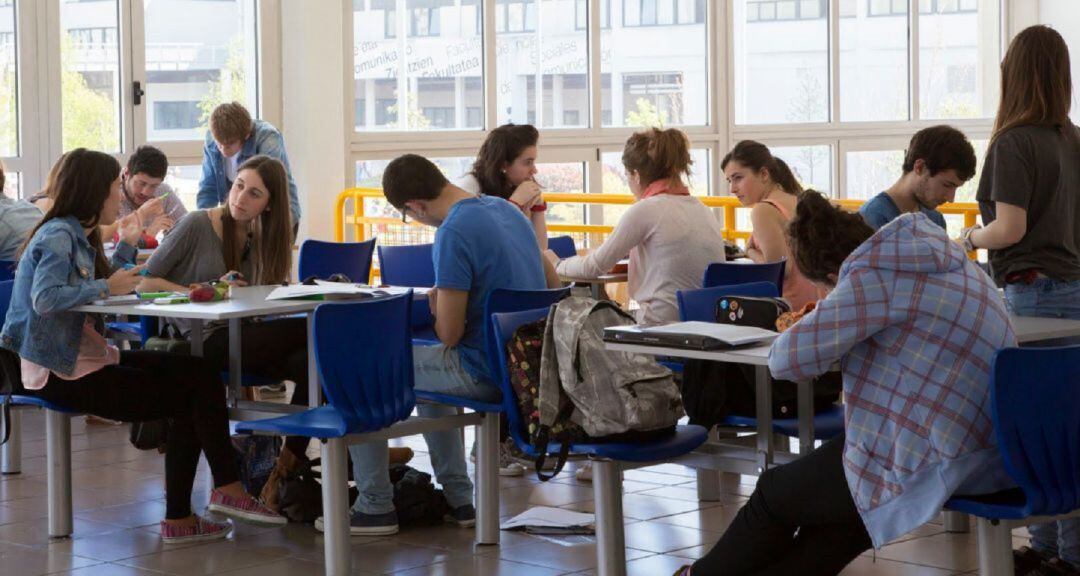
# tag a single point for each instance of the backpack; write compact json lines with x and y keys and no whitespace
{"x":753,"y":311}
{"x":588,"y":394}
{"x":255,"y":457}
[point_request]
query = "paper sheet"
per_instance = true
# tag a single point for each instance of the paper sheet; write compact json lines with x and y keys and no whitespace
{"x":543,"y":516}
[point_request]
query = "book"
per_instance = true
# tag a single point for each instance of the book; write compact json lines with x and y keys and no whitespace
{"x":125,"y":300}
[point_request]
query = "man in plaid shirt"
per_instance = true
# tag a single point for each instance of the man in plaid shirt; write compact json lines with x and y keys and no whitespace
{"x":914,"y":325}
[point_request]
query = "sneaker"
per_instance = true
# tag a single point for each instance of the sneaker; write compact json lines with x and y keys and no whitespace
{"x":463,"y":516}
{"x":508,"y":466}
{"x":361,"y":524}
{"x":1027,"y":560}
{"x":584,"y":474}
{"x":244,"y":509}
{"x":519,"y":456}
{"x":201,"y":530}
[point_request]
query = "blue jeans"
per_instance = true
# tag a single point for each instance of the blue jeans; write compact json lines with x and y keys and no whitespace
{"x":1053,"y":299}
{"x":437,"y":369}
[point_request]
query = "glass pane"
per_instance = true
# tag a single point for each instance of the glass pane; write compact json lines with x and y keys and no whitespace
{"x":369,"y":175}
{"x":1063,"y":16}
{"x":9,"y":103}
{"x":781,"y":66}
{"x":953,"y":48}
{"x":543,"y":72}
{"x":615,"y":181}
{"x":812,"y":165}
{"x":649,"y":80}
{"x":428,"y":64}
{"x":90,"y":75}
{"x":11,"y":184}
{"x":874,"y":62}
{"x":184,"y":180}
{"x":198,"y":55}
{"x":563,"y":177}
{"x":869,"y":173}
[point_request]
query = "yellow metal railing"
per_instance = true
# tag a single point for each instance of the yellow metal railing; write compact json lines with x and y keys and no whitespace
{"x":729,"y":204}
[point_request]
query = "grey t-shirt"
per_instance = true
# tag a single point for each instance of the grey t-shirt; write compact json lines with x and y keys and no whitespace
{"x":17,"y":219}
{"x":173,"y":207}
{"x":1036,"y":168}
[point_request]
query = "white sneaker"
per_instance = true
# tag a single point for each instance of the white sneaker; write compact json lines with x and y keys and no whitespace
{"x":584,"y":474}
{"x":507,"y":465}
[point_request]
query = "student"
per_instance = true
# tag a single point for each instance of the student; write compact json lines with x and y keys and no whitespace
{"x":481,"y":244}
{"x":146,"y":199}
{"x":17,"y":219}
{"x":43,"y":198}
{"x":939,"y":159}
{"x":671,"y":236}
{"x":766,"y":184}
{"x":506,"y":167}
{"x":908,"y":315}
{"x":233,"y":138}
{"x":1028,"y":197}
{"x":62,"y":266}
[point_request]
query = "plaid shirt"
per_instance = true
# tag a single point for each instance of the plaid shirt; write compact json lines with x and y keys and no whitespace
{"x":914,"y":325}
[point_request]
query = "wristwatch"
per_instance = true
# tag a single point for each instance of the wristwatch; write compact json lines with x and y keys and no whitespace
{"x":965,"y":237}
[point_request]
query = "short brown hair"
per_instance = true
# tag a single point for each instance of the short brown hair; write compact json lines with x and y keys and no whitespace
{"x":230,"y":123}
{"x":412,"y":177}
{"x":657,"y":155}
{"x":822,"y":236}
{"x":942,"y":148}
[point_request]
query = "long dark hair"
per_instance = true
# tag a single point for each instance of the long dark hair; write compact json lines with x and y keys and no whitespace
{"x":658,"y":155}
{"x":502,"y":146}
{"x":1036,"y":83}
{"x":83,"y":183}
{"x":756,"y":156}
{"x":269,"y":244}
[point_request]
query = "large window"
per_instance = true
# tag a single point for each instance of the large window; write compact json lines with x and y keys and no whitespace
{"x":662,"y":12}
{"x":1064,"y":17}
{"x":424,"y":72}
{"x":9,"y":102}
{"x":198,"y":55}
{"x":874,"y":62}
{"x":90,"y":75}
{"x":958,"y":40}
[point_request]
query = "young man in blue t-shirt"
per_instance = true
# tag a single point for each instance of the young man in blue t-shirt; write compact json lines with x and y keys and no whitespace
{"x":481,"y":244}
{"x":939,"y":159}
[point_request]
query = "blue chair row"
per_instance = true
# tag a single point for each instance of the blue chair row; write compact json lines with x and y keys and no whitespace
{"x":701,"y":305}
{"x":1037,"y":423}
{"x":732,"y":273}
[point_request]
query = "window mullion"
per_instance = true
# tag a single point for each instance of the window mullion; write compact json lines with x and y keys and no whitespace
{"x":834,"y":61}
{"x":915,"y":109}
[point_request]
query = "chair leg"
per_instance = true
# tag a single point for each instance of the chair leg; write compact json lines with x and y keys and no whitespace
{"x":11,"y":457}
{"x":58,"y":454}
{"x":957,"y":522}
{"x":708,"y":481}
{"x":610,"y":531}
{"x":335,"y":492}
{"x":487,"y":480}
{"x":995,"y":548}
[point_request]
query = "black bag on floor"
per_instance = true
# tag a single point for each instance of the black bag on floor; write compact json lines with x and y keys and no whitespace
{"x":150,"y":435}
{"x":255,"y":457}
{"x":417,"y":501}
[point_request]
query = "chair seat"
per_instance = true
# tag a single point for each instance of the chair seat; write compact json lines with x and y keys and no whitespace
{"x":20,"y":400}
{"x":1008,"y":504}
{"x":129,"y":328}
{"x":322,"y":422}
{"x":474,"y":405}
{"x":827,"y":424}
{"x":685,"y":439}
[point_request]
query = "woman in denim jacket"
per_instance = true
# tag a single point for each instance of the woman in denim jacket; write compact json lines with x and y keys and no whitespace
{"x":66,"y":360}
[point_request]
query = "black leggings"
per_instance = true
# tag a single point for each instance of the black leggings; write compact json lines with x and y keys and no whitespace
{"x":800,"y":519}
{"x":271,"y":349}
{"x":152,"y":385}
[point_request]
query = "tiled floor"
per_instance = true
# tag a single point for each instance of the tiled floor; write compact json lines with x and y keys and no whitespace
{"x":118,"y":495}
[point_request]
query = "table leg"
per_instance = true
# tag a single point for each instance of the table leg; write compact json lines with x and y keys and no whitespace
{"x":335,"y":493}
{"x":235,"y":371}
{"x":314,"y":387}
{"x":763,"y":389}
{"x":196,"y":338}
{"x":806,"y":417}
{"x":598,"y":292}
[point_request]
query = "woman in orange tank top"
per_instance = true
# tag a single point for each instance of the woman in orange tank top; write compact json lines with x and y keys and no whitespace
{"x":766,"y":184}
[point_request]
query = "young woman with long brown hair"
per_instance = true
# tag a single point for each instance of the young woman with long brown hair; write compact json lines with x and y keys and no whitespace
{"x":66,"y":360}
{"x":1029,"y":197}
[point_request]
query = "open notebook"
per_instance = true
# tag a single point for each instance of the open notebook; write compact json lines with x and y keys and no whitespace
{"x":690,"y":335}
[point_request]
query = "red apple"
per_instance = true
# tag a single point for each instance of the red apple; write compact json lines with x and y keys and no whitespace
{"x":203,"y":293}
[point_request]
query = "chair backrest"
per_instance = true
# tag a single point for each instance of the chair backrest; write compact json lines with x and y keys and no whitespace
{"x":700,"y":304}
{"x":407,"y":265}
{"x":503,"y":325}
{"x":5,"y":298}
{"x":1037,"y":420}
{"x":323,"y":259}
{"x":562,"y":246}
{"x":731,"y":273}
{"x":505,"y":300}
{"x":364,"y":355}
{"x":7,"y":269}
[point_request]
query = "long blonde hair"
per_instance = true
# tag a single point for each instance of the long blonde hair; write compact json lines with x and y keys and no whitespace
{"x":1036,"y":85}
{"x":269,"y":245}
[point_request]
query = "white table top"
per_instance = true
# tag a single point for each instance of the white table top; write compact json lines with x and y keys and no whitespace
{"x":1031,"y":329}
{"x":601,"y":279}
{"x":245,"y":302}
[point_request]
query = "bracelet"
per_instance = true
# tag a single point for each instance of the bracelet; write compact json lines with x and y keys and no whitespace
{"x":966,"y":238}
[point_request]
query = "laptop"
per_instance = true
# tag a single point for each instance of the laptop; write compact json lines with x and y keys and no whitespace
{"x":690,"y":335}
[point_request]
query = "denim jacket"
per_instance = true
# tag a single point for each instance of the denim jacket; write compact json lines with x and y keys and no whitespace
{"x":265,"y":140}
{"x":55,"y":274}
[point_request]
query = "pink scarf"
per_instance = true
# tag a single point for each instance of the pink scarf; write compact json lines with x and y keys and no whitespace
{"x":665,"y":187}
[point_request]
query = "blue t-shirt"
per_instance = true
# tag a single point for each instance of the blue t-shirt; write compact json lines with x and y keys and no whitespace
{"x":880,"y":210}
{"x":484,"y":244}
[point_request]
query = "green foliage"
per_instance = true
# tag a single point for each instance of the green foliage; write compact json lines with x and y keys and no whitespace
{"x":231,"y":85}
{"x":646,"y":115}
{"x":89,"y":116}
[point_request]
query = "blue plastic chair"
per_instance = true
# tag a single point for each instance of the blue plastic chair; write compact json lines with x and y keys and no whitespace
{"x":323,"y":259}
{"x":731,"y":273}
{"x":562,"y":246}
{"x":7,"y":269}
{"x":407,"y":265}
{"x":58,"y":445}
{"x":700,"y":305}
{"x":1037,"y":423}
{"x":607,"y":473}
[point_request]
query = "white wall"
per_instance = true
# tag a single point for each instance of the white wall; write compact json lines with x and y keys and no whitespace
{"x":314,"y":124}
